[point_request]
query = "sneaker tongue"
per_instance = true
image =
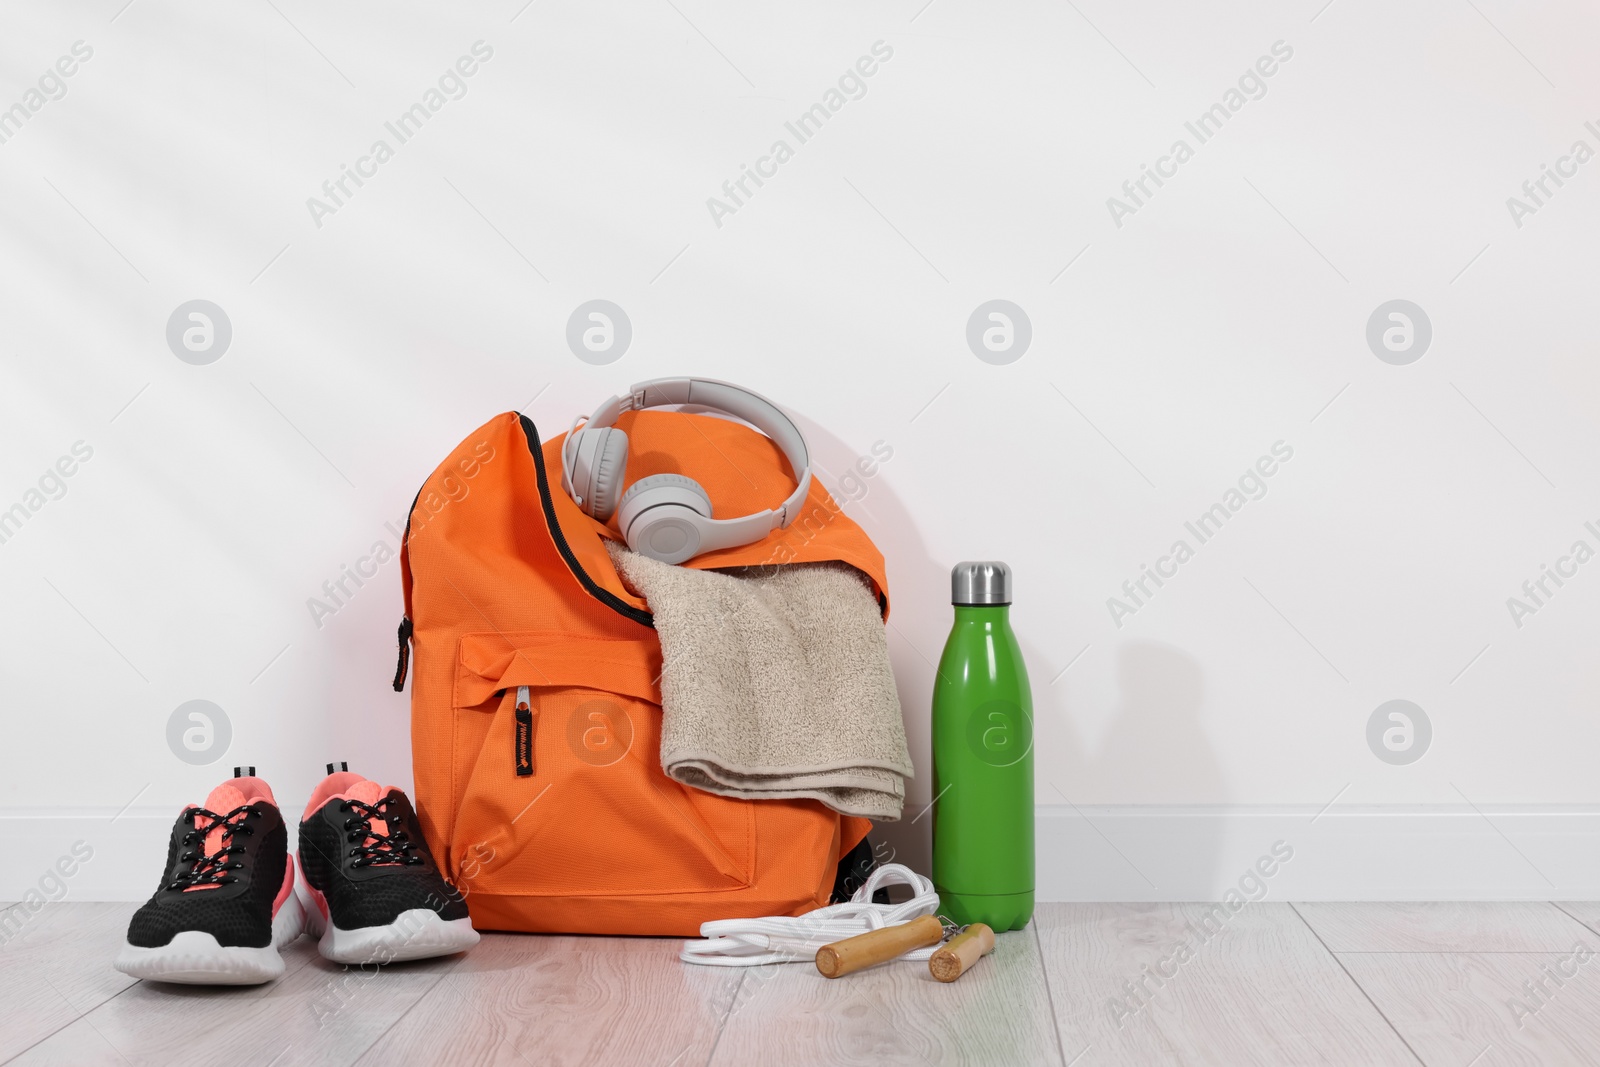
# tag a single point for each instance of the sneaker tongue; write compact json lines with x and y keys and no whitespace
{"x":364,"y":791}
{"x":369,"y":793}
{"x":223,"y":799}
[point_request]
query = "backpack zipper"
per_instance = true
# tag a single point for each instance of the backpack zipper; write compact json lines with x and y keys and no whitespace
{"x":605,"y":596}
{"x":593,"y":588}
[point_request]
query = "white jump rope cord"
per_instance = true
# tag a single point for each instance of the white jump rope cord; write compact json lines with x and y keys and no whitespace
{"x":796,"y":938}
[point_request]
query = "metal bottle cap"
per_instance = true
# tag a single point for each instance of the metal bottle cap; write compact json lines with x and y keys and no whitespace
{"x":976,"y":582}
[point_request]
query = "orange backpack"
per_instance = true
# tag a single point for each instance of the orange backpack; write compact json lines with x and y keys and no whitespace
{"x":554,"y":815}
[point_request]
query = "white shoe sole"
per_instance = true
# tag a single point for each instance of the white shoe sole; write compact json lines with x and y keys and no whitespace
{"x":417,"y":934}
{"x":193,"y":957}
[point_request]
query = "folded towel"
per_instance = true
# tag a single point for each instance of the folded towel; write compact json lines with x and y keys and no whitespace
{"x":776,"y":683}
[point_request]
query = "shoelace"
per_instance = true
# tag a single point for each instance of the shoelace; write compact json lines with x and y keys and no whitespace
{"x":211,"y":868}
{"x":795,"y":939}
{"x":372,"y":849}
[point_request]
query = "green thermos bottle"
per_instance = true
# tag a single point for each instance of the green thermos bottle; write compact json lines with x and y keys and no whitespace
{"x":983,"y":758}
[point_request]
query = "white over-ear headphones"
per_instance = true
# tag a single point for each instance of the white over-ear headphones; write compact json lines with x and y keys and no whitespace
{"x":668,"y":516}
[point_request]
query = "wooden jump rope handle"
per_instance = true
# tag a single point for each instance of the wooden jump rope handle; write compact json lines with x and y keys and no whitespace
{"x":854,"y":953}
{"x":958,"y":955}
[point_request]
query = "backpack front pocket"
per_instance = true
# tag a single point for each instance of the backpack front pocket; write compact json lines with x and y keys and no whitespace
{"x":567,"y":796}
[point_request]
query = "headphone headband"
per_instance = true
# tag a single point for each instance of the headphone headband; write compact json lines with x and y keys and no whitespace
{"x":730,"y":399}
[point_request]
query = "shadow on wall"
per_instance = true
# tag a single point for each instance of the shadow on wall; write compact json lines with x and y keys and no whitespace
{"x":1156,"y":753}
{"x":919,"y":620}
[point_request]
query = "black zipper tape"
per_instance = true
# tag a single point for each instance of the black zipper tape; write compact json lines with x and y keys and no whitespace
{"x":547,"y":505}
{"x":605,"y":596}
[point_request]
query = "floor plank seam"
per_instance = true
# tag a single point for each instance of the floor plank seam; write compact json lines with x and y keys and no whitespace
{"x":443,"y":974}
{"x":80,"y":1017}
{"x":102,"y":1036}
{"x":1050,"y":997}
{"x":722,"y":1023}
{"x":1586,"y":927}
{"x":1450,"y":952}
{"x":1359,"y":987}
{"x":77,"y":1031}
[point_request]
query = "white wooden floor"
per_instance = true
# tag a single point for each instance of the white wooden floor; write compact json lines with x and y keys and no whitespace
{"x":1346,"y":984}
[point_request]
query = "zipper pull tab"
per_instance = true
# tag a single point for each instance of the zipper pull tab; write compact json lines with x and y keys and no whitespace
{"x":405,"y":654}
{"x":524,"y":734}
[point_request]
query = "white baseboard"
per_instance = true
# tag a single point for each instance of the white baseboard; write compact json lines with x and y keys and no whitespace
{"x":1124,"y":853}
{"x":125,"y":854}
{"x":1135,"y":853}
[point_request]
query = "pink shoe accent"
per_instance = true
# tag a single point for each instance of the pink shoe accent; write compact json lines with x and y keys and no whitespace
{"x":286,"y":888}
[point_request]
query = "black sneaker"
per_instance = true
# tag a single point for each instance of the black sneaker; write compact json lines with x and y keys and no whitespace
{"x":227,"y":901}
{"x":377,"y":896}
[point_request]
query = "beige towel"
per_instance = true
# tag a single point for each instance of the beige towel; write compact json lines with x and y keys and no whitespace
{"x":776,"y":683}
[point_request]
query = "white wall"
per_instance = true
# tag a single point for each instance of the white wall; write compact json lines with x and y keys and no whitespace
{"x":1227,"y":313}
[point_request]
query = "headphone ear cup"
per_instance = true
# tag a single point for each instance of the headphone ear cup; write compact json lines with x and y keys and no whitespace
{"x":595,"y":472}
{"x":661,"y":516}
{"x":608,"y":469}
